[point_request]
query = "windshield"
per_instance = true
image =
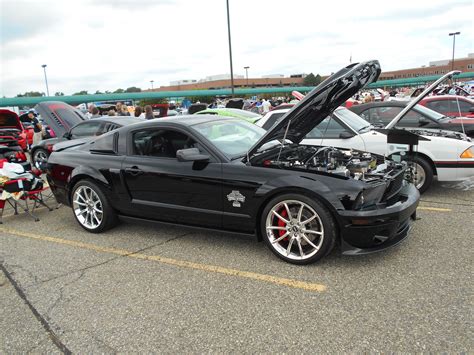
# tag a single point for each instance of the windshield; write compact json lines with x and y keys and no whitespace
{"x":428,"y":112}
{"x":233,"y":137}
{"x":353,"y":120}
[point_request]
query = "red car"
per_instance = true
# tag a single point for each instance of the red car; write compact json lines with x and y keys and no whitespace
{"x":12,"y":128}
{"x":448,"y":105}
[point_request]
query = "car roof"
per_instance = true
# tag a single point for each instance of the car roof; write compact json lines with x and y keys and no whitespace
{"x":121,"y":120}
{"x":446,"y":97}
{"x":393,"y":103}
{"x":186,"y":120}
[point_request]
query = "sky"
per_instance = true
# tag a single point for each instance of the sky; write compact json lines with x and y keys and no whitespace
{"x":108,"y":44}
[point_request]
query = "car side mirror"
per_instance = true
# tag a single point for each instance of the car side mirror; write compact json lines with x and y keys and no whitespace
{"x":471,"y":109}
{"x":67,"y":135}
{"x":191,"y":154}
{"x":346,"y":135}
{"x":423,"y":121}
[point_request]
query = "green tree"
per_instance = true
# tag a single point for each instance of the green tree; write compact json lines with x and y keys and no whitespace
{"x":82,"y":92}
{"x":58,"y":93}
{"x":312,"y":80}
{"x":31,"y":94}
{"x":119,"y":91}
{"x":133,"y":89}
{"x":98,"y":92}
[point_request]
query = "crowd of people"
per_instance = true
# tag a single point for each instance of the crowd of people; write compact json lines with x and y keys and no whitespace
{"x":121,"y":109}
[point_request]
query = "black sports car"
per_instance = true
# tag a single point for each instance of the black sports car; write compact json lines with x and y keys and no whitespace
{"x":228,"y":174}
{"x":69,"y":123}
{"x":379,"y":114}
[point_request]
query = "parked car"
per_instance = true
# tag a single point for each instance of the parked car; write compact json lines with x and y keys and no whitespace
{"x":450,"y":105}
{"x":12,"y":152}
{"x":11,"y":128}
{"x":245,"y":180}
{"x":379,"y":114}
{"x":73,"y":126}
{"x":448,"y":159}
{"x":231,"y":112}
{"x":27,"y":127}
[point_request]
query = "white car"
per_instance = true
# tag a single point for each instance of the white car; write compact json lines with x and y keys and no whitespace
{"x":448,"y":159}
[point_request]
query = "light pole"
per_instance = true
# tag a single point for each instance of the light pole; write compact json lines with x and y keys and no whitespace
{"x":454,"y":44}
{"x":230,"y":51}
{"x":152,"y":81}
{"x":45,"y":78}
{"x":247,"y":74}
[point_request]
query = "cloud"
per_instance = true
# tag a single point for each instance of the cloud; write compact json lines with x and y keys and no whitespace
{"x":105,"y":44}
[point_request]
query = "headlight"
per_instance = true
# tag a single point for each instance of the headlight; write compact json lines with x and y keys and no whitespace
{"x":468,"y":153}
{"x":370,"y":196}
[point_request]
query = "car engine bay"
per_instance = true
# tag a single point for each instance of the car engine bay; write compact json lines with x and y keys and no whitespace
{"x":347,"y":163}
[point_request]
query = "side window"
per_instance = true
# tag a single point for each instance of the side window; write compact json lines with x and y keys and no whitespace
{"x":441,"y":106}
{"x":272,"y":120}
{"x":381,"y":116}
{"x":109,"y":127}
{"x":328,"y":128}
{"x":160,"y":143}
{"x":86,"y":129}
{"x":411,"y":119}
{"x":463,"y":105}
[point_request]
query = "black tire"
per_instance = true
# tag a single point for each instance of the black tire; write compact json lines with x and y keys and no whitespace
{"x":423,"y":167}
{"x":109,"y":216}
{"x":328,"y":238}
{"x":37,"y":153}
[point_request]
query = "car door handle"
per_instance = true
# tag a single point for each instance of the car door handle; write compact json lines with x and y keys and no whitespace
{"x":134,"y":171}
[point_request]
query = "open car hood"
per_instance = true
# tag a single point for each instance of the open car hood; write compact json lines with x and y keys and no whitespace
{"x":59,"y":116}
{"x":321,"y":102}
{"x":420,"y":97}
{"x":9,"y":119}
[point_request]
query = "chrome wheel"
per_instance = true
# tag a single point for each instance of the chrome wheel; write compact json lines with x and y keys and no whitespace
{"x":40,"y":156}
{"x":294,"y":230}
{"x":87,"y":207}
{"x":420,"y":176}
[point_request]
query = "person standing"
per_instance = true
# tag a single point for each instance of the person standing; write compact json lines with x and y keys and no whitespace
{"x":37,"y":128}
{"x":118,"y":107}
{"x":124,"y":111}
{"x":266,"y":106}
{"x":95,"y":113}
{"x":138,"y":112}
{"x":149,"y":112}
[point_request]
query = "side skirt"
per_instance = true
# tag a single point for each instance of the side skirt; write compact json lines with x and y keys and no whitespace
{"x":186,"y":226}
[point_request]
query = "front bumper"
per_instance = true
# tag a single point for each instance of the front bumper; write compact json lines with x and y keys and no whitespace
{"x":364,"y":232}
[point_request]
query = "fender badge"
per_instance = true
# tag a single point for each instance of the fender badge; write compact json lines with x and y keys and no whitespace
{"x":236,"y":197}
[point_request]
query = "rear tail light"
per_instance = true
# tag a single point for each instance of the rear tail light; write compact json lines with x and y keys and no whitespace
{"x":21,"y":156}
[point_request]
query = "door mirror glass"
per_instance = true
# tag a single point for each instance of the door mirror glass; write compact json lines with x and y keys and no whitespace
{"x":191,"y":154}
{"x":471,"y":109}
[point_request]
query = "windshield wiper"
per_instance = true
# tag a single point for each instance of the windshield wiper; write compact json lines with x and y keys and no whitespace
{"x":365,"y":127}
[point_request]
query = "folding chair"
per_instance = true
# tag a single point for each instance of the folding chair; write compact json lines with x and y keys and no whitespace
{"x":19,"y":195}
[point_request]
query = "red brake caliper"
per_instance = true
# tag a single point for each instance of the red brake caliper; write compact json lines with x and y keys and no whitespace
{"x":280,"y":223}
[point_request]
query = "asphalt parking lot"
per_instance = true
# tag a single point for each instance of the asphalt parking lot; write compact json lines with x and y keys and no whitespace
{"x":170,"y":289}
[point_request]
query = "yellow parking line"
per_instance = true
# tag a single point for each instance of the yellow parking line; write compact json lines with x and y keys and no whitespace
{"x":436,"y":209}
{"x":308,"y":286}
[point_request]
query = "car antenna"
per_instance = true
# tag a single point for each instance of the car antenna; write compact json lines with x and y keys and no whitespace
{"x":283,"y":141}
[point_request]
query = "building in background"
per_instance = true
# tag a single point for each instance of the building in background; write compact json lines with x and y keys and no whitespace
{"x":222,"y":81}
{"x":438,"y":67}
